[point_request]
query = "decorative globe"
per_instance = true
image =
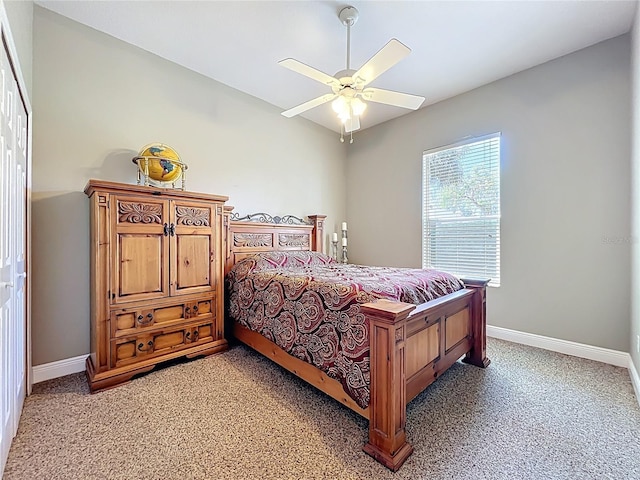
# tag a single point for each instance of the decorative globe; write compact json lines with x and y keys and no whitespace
{"x":160,"y":162}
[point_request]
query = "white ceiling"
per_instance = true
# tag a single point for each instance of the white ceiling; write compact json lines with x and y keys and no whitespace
{"x":456,"y":45}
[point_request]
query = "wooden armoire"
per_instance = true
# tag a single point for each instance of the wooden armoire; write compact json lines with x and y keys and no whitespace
{"x":157,"y":261}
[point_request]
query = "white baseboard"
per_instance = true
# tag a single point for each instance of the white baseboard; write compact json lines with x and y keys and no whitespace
{"x":604,"y":355}
{"x":599,"y":354}
{"x":47,"y":371}
{"x":635,"y":379}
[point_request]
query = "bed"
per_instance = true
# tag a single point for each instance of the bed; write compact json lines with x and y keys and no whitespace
{"x":275,"y":274}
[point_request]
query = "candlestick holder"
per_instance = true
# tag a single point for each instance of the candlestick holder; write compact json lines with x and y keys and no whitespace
{"x":334,"y":250}
{"x":344,"y":247}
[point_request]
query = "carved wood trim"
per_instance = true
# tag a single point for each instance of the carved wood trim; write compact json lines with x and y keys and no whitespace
{"x":252,"y":240}
{"x":192,"y":216}
{"x":131,"y":212}
{"x":298,"y":240}
{"x":399,"y":334}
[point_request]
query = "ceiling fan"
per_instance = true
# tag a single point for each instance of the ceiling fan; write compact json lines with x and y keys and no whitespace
{"x":349,"y":87}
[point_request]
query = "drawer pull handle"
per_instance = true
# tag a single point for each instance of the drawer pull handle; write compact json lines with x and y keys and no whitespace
{"x":166,"y":230}
{"x":195,"y":308}
{"x":188,"y":335}
{"x":147,"y":321}
{"x":195,"y":335}
{"x":141,"y":346}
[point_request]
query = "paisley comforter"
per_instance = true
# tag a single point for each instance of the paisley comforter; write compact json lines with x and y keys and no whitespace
{"x":309,"y":305}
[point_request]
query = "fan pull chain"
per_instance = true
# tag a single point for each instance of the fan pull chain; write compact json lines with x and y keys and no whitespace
{"x":342,"y":133}
{"x":351,"y":141}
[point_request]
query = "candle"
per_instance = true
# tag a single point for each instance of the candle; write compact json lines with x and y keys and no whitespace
{"x":344,"y":242}
{"x":335,"y":237}
{"x":344,"y":225}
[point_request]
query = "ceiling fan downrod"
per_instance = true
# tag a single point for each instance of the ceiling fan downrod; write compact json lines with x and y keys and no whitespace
{"x":348,"y":16}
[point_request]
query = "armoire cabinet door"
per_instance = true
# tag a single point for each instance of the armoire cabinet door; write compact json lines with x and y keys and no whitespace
{"x":193,"y":247}
{"x":140,"y":252}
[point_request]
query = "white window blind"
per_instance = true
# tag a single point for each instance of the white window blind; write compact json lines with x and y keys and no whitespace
{"x":461,"y":208}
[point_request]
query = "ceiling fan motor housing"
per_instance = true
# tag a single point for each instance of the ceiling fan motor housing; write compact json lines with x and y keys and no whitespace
{"x":345,"y":77}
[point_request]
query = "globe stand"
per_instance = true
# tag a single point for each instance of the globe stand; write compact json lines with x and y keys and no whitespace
{"x":143,"y":162}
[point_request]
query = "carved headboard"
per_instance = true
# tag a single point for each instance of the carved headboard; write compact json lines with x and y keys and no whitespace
{"x":260,"y":232}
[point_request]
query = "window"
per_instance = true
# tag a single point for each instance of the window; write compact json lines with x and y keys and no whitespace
{"x":461,"y":208}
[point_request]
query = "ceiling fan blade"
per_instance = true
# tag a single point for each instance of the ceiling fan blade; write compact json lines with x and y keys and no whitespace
{"x":352,"y":124}
{"x":308,"y":71}
{"x":389,"y":97}
{"x":309,"y":105}
{"x":387,"y":57}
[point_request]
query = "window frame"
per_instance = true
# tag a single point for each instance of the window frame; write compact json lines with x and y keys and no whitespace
{"x":487,"y":161}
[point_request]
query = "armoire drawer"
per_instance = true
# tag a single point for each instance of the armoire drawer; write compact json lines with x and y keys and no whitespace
{"x":132,"y":349}
{"x":135,"y":320}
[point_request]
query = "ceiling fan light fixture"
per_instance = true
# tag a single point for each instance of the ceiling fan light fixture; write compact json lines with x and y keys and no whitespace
{"x":339,"y":105}
{"x":358,"y":106}
{"x":344,"y":115}
{"x":348,"y":107}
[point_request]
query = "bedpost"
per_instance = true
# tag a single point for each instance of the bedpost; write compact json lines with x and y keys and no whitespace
{"x":388,"y":404}
{"x":228,"y":261}
{"x":317,"y":237}
{"x":478,"y":354}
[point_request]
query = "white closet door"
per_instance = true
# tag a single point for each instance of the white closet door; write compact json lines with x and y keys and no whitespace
{"x":20,"y":259}
{"x":13,"y":195}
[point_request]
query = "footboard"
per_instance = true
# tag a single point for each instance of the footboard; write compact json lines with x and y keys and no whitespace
{"x":410,"y":347}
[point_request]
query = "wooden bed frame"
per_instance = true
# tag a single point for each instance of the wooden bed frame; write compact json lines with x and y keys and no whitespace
{"x":410,"y":346}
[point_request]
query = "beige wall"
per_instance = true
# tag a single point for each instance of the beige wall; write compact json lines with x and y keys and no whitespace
{"x":565,"y":175}
{"x":565,"y":247}
{"x":20,"y":15}
{"x":98,"y":100}
{"x":635,"y":189}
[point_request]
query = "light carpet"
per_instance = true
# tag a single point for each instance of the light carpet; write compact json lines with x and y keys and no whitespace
{"x":532,"y":414}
